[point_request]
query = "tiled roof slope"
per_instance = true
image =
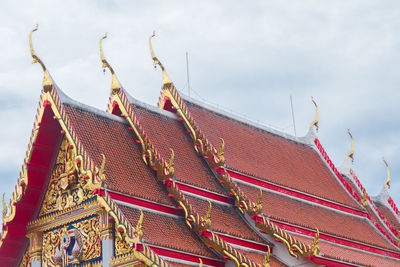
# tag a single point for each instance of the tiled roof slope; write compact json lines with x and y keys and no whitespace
{"x":388,"y":214}
{"x":125,"y":170}
{"x":265,"y":155}
{"x":166,"y":132}
{"x":359,"y":257}
{"x":310,"y":216}
{"x":167,"y":231}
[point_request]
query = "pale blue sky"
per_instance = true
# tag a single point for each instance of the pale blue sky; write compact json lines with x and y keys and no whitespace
{"x":246,"y":57}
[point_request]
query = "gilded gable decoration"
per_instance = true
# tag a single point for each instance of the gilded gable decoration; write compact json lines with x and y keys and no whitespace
{"x":67,"y":182}
{"x":266,"y":259}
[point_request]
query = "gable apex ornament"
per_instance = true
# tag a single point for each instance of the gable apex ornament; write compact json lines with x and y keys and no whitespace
{"x":387,"y":182}
{"x":351,"y":153}
{"x":115,"y":85}
{"x":47,"y":82}
{"x":166,"y":80}
{"x":316,"y":121}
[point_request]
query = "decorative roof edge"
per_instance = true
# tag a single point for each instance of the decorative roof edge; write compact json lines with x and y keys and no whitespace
{"x":216,"y":160}
{"x":165,"y":173}
{"x":351,"y":192}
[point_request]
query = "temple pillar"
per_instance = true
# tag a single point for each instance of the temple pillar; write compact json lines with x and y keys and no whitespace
{"x":35,"y":248}
{"x":107,"y":238}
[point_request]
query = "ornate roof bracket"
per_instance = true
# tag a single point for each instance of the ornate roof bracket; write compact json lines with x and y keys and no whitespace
{"x":115,"y":85}
{"x":166,"y":80}
{"x":316,"y":121}
{"x":47,"y":81}
{"x":351,"y":153}
{"x":387,"y":182}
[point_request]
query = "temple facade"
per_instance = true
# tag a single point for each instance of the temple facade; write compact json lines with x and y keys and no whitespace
{"x":181,"y":183}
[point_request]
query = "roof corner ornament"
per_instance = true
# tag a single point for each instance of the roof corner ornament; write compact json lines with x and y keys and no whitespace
{"x":266,"y":258}
{"x":200,"y":263}
{"x":316,"y":121}
{"x":138,"y":228}
{"x":47,"y":82}
{"x":4,"y":208}
{"x":100,"y":172}
{"x":315,"y":242}
{"x":115,"y":85}
{"x":364,"y":198}
{"x":259,"y":202}
{"x":387,"y":182}
{"x":207,"y":218}
{"x":351,"y":153}
{"x":166,"y":80}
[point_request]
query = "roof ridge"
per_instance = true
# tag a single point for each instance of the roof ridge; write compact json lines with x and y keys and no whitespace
{"x":305,"y":140}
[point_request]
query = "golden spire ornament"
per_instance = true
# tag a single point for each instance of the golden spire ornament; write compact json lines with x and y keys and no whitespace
{"x":47,"y":82}
{"x":351,"y":153}
{"x":166,"y":80}
{"x":316,"y":121}
{"x":387,"y":182}
{"x":115,"y":85}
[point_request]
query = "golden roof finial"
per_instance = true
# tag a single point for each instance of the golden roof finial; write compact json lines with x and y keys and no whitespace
{"x":315,"y":242}
{"x":200,"y":263}
{"x":166,"y":80}
{"x":351,"y":153}
{"x":139,"y":226}
{"x":207,"y":218}
{"x":47,"y":82}
{"x":115,"y":85}
{"x":4,"y":207}
{"x":387,"y":182}
{"x":364,"y":198}
{"x":315,"y":123}
{"x":259,"y":201}
{"x":266,"y":258}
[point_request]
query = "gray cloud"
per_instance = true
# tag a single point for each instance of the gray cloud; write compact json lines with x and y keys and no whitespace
{"x":248,"y":58}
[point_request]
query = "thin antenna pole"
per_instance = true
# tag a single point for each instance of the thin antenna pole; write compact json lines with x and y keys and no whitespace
{"x":294,"y":123}
{"x":187,"y":72}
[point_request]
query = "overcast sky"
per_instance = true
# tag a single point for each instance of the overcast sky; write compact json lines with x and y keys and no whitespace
{"x":248,"y":57}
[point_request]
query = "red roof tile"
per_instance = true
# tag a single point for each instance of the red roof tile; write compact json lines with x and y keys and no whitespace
{"x":265,"y":155}
{"x":328,"y":221}
{"x":225,"y":219}
{"x":168,"y":232}
{"x":125,"y":170}
{"x":330,"y":250}
{"x":258,"y":258}
{"x":388,"y":215}
{"x":165,"y":132}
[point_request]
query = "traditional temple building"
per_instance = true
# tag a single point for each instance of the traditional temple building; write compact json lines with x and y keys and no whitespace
{"x":185,"y":184}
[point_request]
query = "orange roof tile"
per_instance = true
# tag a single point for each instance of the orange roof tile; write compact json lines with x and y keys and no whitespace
{"x":225,"y":219}
{"x":262,"y":154}
{"x":125,"y":170}
{"x":168,"y":232}
{"x":311,"y":216}
{"x":165,"y":132}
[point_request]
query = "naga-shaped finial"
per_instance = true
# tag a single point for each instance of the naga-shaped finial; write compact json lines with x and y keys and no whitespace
{"x":115,"y":85}
{"x":4,"y":207}
{"x":315,"y":123}
{"x":351,"y":153}
{"x":364,"y":198}
{"x":259,"y":201}
{"x":315,"y":242}
{"x":139,"y":226}
{"x":387,"y":182}
{"x":207,"y":218}
{"x":266,"y":258}
{"x":166,"y":80}
{"x":47,"y":82}
{"x":200,"y":263}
